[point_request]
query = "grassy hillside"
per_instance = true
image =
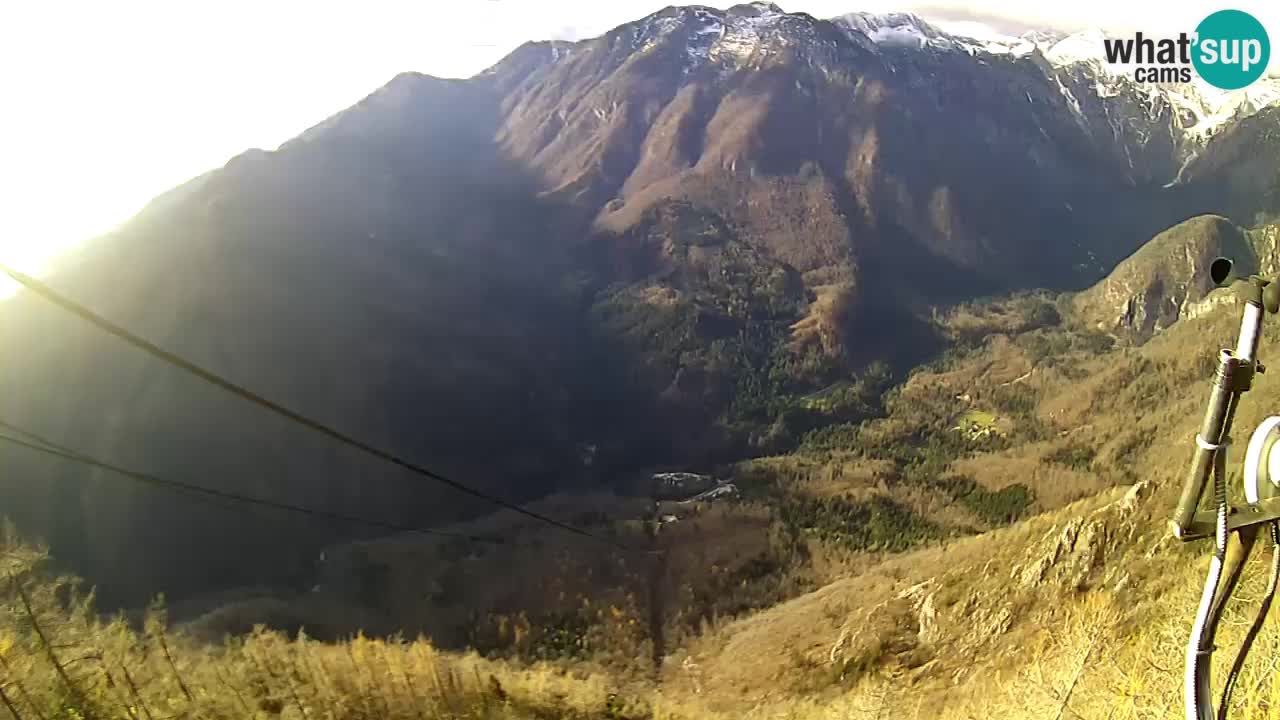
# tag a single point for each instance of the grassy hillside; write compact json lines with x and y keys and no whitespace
{"x":844,"y":651}
{"x":1002,"y":622}
{"x":60,"y":660}
{"x":988,"y":537}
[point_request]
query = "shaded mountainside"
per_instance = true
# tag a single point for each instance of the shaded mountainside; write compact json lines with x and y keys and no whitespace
{"x":696,"y":238}
{"x":1236,"y":174}
{"x":363,"y":274}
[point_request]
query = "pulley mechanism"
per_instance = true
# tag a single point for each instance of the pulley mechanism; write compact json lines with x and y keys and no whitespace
{"x":1262,"y":463}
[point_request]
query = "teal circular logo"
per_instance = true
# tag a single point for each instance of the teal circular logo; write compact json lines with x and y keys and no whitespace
{"x":1231,"y":50}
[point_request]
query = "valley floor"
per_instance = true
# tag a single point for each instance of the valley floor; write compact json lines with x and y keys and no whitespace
{"x":952,"y":596}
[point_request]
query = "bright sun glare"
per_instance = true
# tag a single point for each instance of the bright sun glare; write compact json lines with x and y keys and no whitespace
{"x":110,"y":104}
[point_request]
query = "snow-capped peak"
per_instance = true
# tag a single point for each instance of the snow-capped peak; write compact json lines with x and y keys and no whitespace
{"x":748,"y":34}
{"x":1086,"y":46}
{"x":728,"y":38}
{"x":1210,"y":108}
{"x":755,"y":9}
{"x":897,"y":28}
{"x":1043,"y":38}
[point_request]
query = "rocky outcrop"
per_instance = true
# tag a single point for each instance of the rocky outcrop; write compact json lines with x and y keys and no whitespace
{"x":1167,"y":279}
{"x":1069,"y":555}
{"x":1267,"y":240}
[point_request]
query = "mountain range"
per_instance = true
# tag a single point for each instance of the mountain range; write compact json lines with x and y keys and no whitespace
{"x":634,"y":251}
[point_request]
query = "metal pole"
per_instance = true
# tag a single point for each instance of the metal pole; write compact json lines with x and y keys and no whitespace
{"x":1233,"y":378}
{"x":1212,"y":431}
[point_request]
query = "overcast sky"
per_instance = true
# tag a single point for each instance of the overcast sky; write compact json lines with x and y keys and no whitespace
{"x":108,"y":103}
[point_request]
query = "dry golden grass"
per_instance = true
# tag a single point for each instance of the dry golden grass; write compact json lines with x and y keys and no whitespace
{"x":1054,"y":486}
{"x":845,"y":475}
{"x":1101,"y":653}
{"x":869,"y":622}
{"x":999,"y":361}
{"x":827,"y":317}
{"x":543,"y":597}
{"x":1092,"y":655}
{"x":60,"y":660}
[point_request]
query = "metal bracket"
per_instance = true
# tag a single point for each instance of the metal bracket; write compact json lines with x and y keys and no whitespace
{"x":1242,"y":376}
{"x":1204,"y":523}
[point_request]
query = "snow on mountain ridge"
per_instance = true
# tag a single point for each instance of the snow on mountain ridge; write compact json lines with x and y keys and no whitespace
{"x":743,"y":32}
{"x":747,"y":34}
{"x":897,"y":29}
{"x":996,"y":45}
{"x":731,"y":38}
{"x":1044,"y":38}
{"x":1214,"y":107}
{"x":1207,"y":108}
{"x":1086,"y":46}
{"x":870,"y":24}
